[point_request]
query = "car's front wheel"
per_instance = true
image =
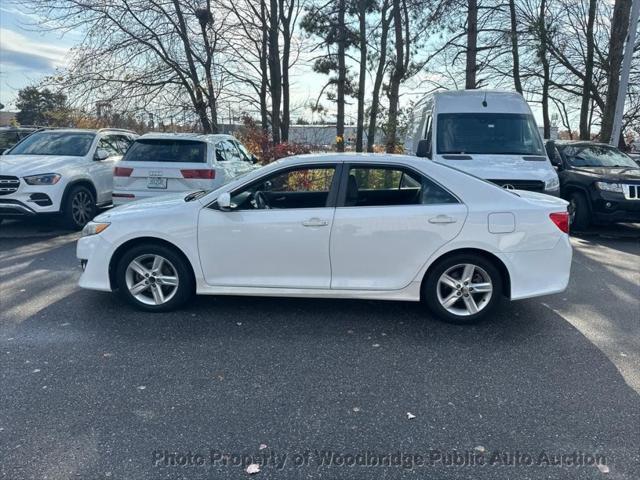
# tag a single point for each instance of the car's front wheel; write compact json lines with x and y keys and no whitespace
{"x":154,"y":278}
{"x":578,"y":211}
{"x":79,"y":207}
{"x":463,"y":288}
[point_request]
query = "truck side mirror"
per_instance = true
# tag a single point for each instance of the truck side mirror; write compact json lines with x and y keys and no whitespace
{"x":424,"y":149}
{"x":552,"y":153}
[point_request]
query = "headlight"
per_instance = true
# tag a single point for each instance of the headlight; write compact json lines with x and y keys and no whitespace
{"x":93,"y":228}
{"x":609,"y":187}
{"x":44,"y":179}
{"x":552,"y":184}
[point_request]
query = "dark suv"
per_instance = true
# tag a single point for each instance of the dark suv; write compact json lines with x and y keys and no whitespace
{"x":601,"y":183}
{"x":9,"y":136}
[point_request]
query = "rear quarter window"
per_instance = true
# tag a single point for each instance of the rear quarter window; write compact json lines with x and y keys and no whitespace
{"x":161,"y":150}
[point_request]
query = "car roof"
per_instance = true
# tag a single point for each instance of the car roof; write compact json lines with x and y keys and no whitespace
{"x":350,"y":157}
{"x":480,"y":101}
{"x":201,"y":137}
{"x":564,"y":143}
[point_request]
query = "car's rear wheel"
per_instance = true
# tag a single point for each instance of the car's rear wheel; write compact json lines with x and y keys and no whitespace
{"x":154,"y":278}
{"x":578,"y":211}
{"x":463,"y":288}
{"x":79,"y":207}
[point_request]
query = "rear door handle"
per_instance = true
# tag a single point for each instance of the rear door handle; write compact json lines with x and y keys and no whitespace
{"x":442,"y":219}
{"x":315,"y":222}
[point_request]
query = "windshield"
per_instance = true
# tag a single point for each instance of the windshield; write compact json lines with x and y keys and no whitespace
{"x":167,"y":150}
{"x":597,"y":156}
{"x":488,"y":133}
{"x":55,"y":143}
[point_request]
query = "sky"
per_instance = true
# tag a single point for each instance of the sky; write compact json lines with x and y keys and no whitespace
{"x":26,"y":53}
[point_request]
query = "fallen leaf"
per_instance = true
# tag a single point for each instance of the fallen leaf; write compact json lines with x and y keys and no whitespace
{"x":480,"y":449}
{"x":262,"y":446}
{"x":141,"y":387}
{"x":376,"y":345}
{"x":410,"y":416}
{"x":239,"y":324}
{"x":107,"y":355}
{"x":356,"y":409}
{"x":36,"y":370}
{"x":253,"y":468}
{"x":603,"y":468}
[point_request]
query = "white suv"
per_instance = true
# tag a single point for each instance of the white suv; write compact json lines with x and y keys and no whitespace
{"x":67,"y":171}
{"x":161,"y":163}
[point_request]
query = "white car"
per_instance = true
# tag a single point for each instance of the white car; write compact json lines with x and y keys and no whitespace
{"x":367,"y":226}
{"x":68,"y":171}
{"x":161,"y":163}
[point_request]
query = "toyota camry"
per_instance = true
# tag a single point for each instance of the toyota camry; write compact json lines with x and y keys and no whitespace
{"x":387,"y":227}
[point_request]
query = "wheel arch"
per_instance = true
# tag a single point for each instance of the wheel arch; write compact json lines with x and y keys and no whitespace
{"x":121,"y":250}
{"x":502,"y":268}
{"x":84,"y":182}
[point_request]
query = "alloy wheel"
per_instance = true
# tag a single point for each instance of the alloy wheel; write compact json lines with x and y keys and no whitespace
{"x":81,"y":208}
{"x":464,"y":289}
{"x":151,"y":279}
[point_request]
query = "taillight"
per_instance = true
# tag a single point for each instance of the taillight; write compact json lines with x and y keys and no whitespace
{"x":122,"y":172}
{"x":561,"y":219}
{"x":199,"y":174}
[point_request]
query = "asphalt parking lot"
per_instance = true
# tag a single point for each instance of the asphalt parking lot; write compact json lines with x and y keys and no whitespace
{"x":91,"y":389}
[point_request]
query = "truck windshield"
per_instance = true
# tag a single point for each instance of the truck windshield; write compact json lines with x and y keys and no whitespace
{"x":488,"y":133}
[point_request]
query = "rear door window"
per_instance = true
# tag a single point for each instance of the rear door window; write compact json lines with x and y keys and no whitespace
{"x":369,"y":186}
{"x":167,"y":150}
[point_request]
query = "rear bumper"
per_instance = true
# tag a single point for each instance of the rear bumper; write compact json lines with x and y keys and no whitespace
{"x":540,"y":272}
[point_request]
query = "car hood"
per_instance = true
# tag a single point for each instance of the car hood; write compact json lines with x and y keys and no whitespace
{"x":162,"y":203}
{"x":502,"y":167}
{"x":621,"y":174}
{"x":25,"y":165}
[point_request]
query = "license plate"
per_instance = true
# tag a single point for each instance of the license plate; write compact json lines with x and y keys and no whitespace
{"x":156,"y":182}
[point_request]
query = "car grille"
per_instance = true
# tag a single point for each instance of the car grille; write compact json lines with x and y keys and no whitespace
{"x":631,"y":192}
{"x":8,"y":184}
{"x":531,"y":185}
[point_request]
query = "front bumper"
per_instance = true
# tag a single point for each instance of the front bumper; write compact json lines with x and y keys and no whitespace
{"x":14,"y":208}
{"x":94,"y":253}
{"x":613,"y":207}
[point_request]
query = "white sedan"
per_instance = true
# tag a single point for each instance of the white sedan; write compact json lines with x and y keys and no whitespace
{"x":385,"y":227}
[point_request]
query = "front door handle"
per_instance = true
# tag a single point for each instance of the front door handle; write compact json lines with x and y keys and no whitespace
{"x":315,"y":222}
{"x":442,"y":219}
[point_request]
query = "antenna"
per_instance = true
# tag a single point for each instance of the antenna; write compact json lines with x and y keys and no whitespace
{"x":484,"y":100}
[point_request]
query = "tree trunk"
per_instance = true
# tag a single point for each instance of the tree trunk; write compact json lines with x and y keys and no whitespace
{"x":377,"y":83}
{"x":264,"y":75}
{"x":514,"y":46}
{"x":342,"y":76}
{"x":362,"y":17}
{"x":585,"y":130}
{"x":619,"y":31}
{"x":542,"y":53}
{"x":472,"y":44}
{"x":396,"y":77}
{"x":274,"y":67}
{"x":285,"y":20}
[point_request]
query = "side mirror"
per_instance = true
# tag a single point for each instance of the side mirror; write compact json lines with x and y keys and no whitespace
{"x":224,"y":201}
{"x":552,"y":153}
{"x":424,"y":149}
{"x":101,"y":154}
{"x":254,"y":159}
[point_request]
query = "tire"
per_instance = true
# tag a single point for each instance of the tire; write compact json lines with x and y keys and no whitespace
{"x":79,"y":207}
{"x":437,"y":290}
{"x":165,"y":296}
{"x":579,"y":212}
